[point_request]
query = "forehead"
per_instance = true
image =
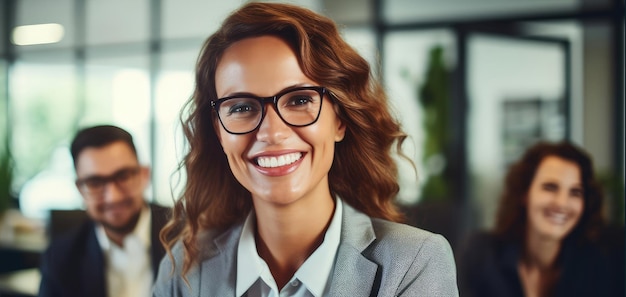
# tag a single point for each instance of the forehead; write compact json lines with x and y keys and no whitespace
{"x":260,"y":65}
{"x":552,"y":167}
{"x":105,"y":160}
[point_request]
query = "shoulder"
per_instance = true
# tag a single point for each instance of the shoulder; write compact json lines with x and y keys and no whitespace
{"x":172,"y":263}
{"x":215,"y":260}
{"x":420,"y":261}
{"x":160,"y":215}
{"x":402,"y":236}
{"x":389,"y":239}
{"x":403,"y":240}
{"x":169,"y":280}
{"x":487,"y":265}
{"x":66,"y":251}
{"x":206,"y":244}
{"x":72,"y":240}
{"x":160,"y":209}
{"x":484,"y":249}
{"x":159,"y":212}
{"x":481,"y":242}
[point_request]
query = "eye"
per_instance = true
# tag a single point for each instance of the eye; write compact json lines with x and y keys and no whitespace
{"x":94,"y":182}
{"x":123,"y":175}
{"x":576,"y":192}
{"x":550,"y":187}
{"x":240,"y":107}
{"x":299,"y":100}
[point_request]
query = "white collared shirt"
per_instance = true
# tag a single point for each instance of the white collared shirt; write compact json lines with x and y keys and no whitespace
{"x":311,"y":279}
{"x":129,"y":269}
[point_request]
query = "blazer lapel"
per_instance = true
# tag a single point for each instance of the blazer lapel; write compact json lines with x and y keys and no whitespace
{"x":218,"y":271}
{"x":354,"y":274}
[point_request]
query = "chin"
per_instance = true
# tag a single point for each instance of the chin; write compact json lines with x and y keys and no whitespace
{"x":278,"y":198}
{"x":558,"y":235}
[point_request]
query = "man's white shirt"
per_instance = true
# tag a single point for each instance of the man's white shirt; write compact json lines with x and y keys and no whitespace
{"x":128,"y":269}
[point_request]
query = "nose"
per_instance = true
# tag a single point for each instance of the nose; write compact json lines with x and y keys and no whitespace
{"x":561,"y":198}
{"x":272,"y":129}
{"x":112,"y":192}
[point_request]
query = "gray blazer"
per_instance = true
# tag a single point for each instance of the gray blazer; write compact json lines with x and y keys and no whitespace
{"x":375,"y":258}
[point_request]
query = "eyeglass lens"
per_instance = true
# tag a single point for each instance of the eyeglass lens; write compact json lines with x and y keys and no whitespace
{"x":123,"y":178}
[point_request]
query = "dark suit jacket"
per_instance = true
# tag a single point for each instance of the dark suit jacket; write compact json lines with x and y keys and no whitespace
{"x":488,"y":267}
{"x":73,"y":264}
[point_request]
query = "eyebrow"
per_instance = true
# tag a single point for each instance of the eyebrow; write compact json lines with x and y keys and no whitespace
{"x":551,"y":180}
{"x":237,"y":94}
{"x":92,"y":176}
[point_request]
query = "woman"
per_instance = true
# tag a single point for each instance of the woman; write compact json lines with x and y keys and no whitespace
{"x":290,"y":181}
{"x":546,"y":239}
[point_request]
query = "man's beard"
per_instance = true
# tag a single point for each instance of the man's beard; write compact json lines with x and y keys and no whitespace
{"x":126,"y":228}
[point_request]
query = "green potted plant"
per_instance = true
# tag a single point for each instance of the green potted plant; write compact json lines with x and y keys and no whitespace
{"x":434,"y":97}
{"x":6,"y":179}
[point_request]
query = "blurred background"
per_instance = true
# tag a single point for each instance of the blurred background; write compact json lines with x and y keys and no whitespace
{"x":473,"y":82}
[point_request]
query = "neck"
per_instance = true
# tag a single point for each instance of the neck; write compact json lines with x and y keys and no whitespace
{"x":286,"y":236}
{"x":540,"y":253}
{"x":537,"y":269}
{"x":117,"y":234}
{"x":115,"y":237}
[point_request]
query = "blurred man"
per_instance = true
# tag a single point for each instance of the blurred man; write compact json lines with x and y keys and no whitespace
{"x":116,"y":252}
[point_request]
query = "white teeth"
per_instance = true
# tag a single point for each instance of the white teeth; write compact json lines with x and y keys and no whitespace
{"x":271,"y":162}
{"x":558,"y":218}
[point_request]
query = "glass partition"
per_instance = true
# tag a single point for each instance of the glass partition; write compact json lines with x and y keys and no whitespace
{"x":517,"y":96}
{"x":174,"y":86}
{"x":408,"y":56}
{"x":44,"y":113}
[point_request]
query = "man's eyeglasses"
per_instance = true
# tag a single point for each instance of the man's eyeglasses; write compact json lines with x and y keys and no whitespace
{"x":298,"y":107}
{"x":125,"y":179}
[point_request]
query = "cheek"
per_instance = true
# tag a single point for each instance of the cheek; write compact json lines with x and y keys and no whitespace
{"x":92,"y":208}
{"x":578,"y":207}
{"x":224,"y":138}
{"x":228,"y":141}
{"x":534,"y":200}
{"x":235,"y":146}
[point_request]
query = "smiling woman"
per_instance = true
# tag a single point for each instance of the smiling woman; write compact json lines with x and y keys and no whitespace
{"x":290,"y":180}
{"x":547,"y":236}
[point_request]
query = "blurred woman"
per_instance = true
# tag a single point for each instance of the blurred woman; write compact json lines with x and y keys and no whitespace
{"x":546,"y":239}
{"x":290,"y":179}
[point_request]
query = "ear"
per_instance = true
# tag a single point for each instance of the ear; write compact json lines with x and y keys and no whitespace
{"x":144,"y":173}
{"x":340,"y":131}
{"x":79,"y":190}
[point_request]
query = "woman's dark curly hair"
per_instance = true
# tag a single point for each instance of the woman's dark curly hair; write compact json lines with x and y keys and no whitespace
{"x":511,"y":217}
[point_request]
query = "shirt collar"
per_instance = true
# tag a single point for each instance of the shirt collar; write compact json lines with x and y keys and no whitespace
{"x":249,"y":264}
{"x":141,"y":231}
{"x":316,"y":270}
{"x":313,"y":273}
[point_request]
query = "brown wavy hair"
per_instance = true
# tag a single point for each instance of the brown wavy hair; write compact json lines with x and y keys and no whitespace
{"x":363,"y":172}
{"x":511,"y":217}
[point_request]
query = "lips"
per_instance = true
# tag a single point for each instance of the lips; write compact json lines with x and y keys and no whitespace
{"x":556,"y":217}
{"x":278,"y":161}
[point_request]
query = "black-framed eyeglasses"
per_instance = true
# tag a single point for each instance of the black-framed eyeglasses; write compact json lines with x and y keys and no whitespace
{"x":125,"y":179}
{"x":298,"y":107}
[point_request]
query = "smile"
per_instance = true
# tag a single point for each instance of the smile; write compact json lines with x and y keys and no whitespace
{"x":278,"y":161}
{"x":556,"y":217}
